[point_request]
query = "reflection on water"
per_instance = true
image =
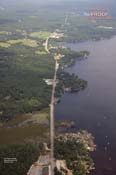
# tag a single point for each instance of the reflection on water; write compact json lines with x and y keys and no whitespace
{"x":95,"y":107}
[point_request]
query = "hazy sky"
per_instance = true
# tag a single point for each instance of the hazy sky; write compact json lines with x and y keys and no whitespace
{"x":5,"y":2}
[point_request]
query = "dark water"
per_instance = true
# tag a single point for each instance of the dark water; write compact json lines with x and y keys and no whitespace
{"x":94,"y":108}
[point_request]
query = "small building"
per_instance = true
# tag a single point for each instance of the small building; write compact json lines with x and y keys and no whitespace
{"x":57,"y":35}
{"x":49,"y":81}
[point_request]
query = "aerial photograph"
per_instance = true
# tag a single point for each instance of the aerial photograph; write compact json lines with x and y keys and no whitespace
{"x":58,"y":87}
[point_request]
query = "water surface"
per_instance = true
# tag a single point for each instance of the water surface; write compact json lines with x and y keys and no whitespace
{"x":94,"y":108}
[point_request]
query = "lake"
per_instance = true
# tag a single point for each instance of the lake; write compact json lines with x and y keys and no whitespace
{"x":94,"y":108}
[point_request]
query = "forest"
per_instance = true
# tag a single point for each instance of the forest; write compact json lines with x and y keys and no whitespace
{"x":24,"y":155}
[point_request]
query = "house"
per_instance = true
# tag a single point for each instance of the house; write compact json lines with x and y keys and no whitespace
{"x":49,"y":81}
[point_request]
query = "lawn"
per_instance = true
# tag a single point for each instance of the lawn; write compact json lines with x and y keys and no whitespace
{"x":4,"y":45}
{"x":41,"y":52}
{"x":26,"y":42}
{"x":41,"y":34}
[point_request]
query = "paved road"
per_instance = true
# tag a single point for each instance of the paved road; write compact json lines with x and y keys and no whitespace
{"x":52,"y":131}
{"x":47,"y":160}
{"x":46,"y":45}
{"x":40,"y":166}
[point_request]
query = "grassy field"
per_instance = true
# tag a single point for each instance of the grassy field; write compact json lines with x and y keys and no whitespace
{"x":25,"y":127}
{"x":22,"y":134}
{"x":38,"y":117}
{"x":25,"y":42}
{"x":41,"y":34}
{"x":41,"y":52}
{"x":4,"y":45}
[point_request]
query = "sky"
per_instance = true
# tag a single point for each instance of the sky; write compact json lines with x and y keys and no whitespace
{"x":5,"y":2}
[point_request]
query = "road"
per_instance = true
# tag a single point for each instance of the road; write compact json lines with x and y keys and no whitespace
{"x":41,"y":167}
{"x":52,"y":131}
{"x":46,"y":45}
{"x":48,"y":161}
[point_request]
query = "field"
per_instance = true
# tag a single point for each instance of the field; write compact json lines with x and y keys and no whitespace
{"x":40,"y":34}
{"x":4,"y":45}
{"x":22,"y":134}
{"x":25,"y":127}
{"x":25,"y":42}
